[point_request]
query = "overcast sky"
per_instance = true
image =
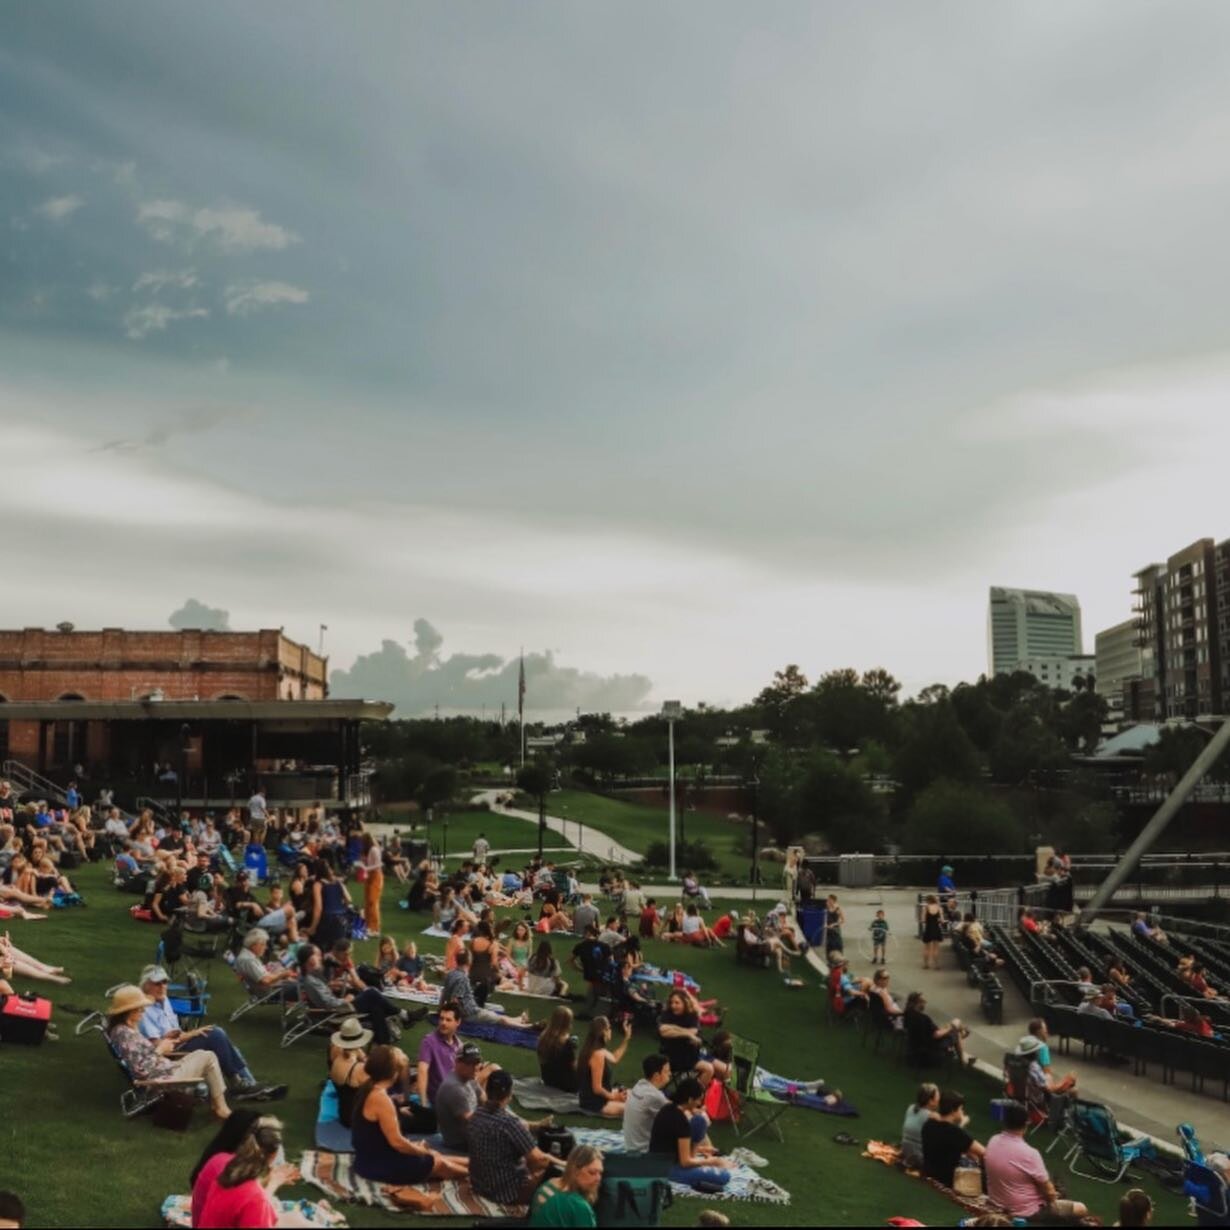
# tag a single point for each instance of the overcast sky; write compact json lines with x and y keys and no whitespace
{"x":683,"y":341}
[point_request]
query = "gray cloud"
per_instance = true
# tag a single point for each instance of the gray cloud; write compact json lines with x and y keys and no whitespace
{"x":195,"y":614}
{"x":468,"y":681}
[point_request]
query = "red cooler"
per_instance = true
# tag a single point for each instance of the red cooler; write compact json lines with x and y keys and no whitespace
{"x":24,"y":1019}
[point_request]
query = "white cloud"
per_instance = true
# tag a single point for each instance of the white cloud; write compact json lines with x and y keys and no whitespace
{"x":234,"y":229}
{"x":154,"y":318}
{"x":57,"y":208}
{"x":166,"y":279}
{"x":243,"y":298}
{"x":98,"y":290}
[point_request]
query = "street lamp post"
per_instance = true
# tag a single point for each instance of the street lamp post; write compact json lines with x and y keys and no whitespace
{"x":755,"y":785}
{"x":671,"y":711}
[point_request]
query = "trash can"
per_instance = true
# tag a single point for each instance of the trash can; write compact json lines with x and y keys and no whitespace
{"x":993,"y":1001}
{"x":812,"y":919}
{"x":856,"y":870}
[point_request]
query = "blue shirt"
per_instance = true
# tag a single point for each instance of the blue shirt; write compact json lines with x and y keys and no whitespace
{"x":947,"y":884}
{"x":511,"y":882}
{"x":158,"y":1020}
{"x":72,"y":799}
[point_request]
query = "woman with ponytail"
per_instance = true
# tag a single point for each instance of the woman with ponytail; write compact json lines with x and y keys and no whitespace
{"x":242,"y":1193}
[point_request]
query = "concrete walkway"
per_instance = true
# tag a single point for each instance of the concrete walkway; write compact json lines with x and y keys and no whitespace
{"x":585,"y":838}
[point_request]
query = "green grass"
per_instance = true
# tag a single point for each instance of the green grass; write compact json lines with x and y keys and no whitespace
{"x":76,"y":1161}
{"x":503,"y":832}
{"x":635,"y":825}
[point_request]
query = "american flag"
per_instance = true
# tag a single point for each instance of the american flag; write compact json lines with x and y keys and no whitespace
{"x":521,"y":689}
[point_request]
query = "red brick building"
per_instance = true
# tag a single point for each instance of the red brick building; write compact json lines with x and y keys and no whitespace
{"x":224,"y":709}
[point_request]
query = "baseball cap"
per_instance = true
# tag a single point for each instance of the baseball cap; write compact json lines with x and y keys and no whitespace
{"x":154,"y":973}
{"x":499,"y":1085}
{"x":469,"y":1054}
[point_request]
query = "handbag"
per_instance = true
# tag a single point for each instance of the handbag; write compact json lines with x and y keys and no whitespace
{"x":557,"y":1141}
{"x":632,"y":1202}
{"x":174,"y":1110}
{"x":967,"y":1181}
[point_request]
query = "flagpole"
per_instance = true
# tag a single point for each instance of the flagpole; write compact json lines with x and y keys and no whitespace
{"x":521,"y":703}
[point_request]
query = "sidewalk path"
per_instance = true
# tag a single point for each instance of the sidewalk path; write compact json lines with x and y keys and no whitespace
{"x":587,"y":840}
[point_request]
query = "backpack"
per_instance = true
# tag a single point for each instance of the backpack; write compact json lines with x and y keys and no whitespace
{"x":557,"y":1141}
{"x":632,"y":1202}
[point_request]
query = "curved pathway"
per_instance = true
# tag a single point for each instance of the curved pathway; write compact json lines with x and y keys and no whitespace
{"x":586,"y":839}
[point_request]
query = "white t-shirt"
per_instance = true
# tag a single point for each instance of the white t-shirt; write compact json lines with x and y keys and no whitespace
{"x":691,"y":924}
{"x":257,"y":807}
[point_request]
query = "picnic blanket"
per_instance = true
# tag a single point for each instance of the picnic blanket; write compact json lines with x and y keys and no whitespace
{"x":890,"y":1155}
{"x":772,"y":1088}
{"x":506,"y":1035}
{"x":331,"y":1133}
{"x":535,"y":1094}
{"x":656,"y":977}
{"x":430,"y":997}
{"x":745,"y":1183}
{"x":333,"y":1173}
{"x":441,"y":934}
{"x":177,"y":1211}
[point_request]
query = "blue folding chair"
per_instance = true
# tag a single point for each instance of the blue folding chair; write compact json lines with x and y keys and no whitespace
{"x":1098,"y":1145}
{"x":1207,"y":1189}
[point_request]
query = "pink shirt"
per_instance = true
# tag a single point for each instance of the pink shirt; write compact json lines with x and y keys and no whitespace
{"x":245,"y":1207}
{"x":1016,"y":1174}
{"x":204,"y":1181}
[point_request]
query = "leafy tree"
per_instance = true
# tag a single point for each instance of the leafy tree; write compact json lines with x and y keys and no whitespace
{"x":438,"y":786}
{"x":954,"y":818}
{"x":779,"y":703}
{"x":536,"y":778}
{"x":1175,"y":750}
{"x":1094,"y":829}
{"x":878,"y":683}
{"x":833,"y":798}
{"x":934,"y":745}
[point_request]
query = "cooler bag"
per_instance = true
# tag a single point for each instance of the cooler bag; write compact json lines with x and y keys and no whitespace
{"x":24,"y":1019}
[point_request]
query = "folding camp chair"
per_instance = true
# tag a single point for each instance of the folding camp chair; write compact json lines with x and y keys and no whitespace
{"x":1207,"y":1189}
{"x":1019,"y":1086}
{"x":138,"y":1096}
{"x":745,"y":1063}
{"x":300,"y":1019}
{"x":284,"y":995}
{"x":1098,"y":1145}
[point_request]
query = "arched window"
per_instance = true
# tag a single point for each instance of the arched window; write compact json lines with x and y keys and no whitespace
{"x":69,"y":738}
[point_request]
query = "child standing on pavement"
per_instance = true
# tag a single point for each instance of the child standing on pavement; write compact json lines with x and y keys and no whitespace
{"x":879,"y":938}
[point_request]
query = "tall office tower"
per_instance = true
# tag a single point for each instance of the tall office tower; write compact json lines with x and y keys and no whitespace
{"x":1030,"y":624}
{"x":1118,"y":668}
{"x":1180,"y":636}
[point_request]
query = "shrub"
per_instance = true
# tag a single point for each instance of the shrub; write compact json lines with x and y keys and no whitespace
{"x":952,"y":818}
{"x":692,"y":854}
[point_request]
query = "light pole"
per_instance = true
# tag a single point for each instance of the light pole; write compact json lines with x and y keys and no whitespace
{"x":671,"y":711}
{"x":755,"y":785}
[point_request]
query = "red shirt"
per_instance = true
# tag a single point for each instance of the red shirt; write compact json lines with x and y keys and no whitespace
{"x":205,"y":1181}
{"x":245,"y":1207}
{"x":722,"y":927}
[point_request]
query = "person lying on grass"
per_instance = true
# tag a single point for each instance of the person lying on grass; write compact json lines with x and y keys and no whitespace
{"x":22,"y":964}
{"x":692,"y":930}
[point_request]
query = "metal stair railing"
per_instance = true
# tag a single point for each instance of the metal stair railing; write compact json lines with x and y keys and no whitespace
{"x":27,"y":780}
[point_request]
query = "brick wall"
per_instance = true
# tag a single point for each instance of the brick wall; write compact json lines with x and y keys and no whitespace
{"x":113,"y":664}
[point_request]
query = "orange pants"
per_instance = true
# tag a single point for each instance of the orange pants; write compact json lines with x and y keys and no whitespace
{"x":373,"y":886}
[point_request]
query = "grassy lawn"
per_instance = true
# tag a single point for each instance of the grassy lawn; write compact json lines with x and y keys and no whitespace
{"x":635,"y":825}
{"x":76,"y":1161}
{"x":503,"y":832}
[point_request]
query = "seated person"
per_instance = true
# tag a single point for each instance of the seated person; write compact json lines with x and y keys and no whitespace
{"x":279,"y":916}
{"x":557,"y":1052}
{"x":649,"y":921}
{"x":505,"y":1163}
{"x":755,"y":941}
{"x":459,"y":1095}
{"x":696,"y":932}
{"x":543,"y":975}
{"x":569,"y":1199}
{"x":146,"y":1064}
{"x":381,"y":1152}
{"x":692,"y":890}
{"x":160,"y":1025}
{"x":1142,"y":927}
{"x":681,"y":1043}
{"x":680,"y":1133}
{"x":846,"y":992}
{"x":261,"y":978}
{"x":240,"y":903}
{"x":928,"y":1042}
{"x":779,"y":924}
{"x":369,"y":1002}
{"x":644,"y":1100}
{"x":202,"y":912}
{"x":597,"y":1091}
{"x":881,"y":1000}
{"x":627,"y":998}
{"x":945,"y":1142}
{"x":920,"y":1112}
{"x":457,"y":989}
{"x":236,"y":1184}
{"x":348,"y":1064}
{"x":1041,"y":1054}
{"x":1017,"y":1179}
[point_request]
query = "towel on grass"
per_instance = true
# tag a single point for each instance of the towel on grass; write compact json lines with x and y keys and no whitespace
{"x":656,"y":977}
{"x":177,"y":1211}
{"x":441,"y":934}
{"x":745,"y":1183}
{"x":771,"y":1088}
{"x":890,"y":1155}
{"x":430,"y":997}
{"x":334,"y":1174}
{"x":506,"y":1035}
{"x":331,"y":1133}
{"x":535,"y":1094}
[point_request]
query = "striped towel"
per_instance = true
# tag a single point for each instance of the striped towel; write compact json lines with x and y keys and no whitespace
{"x":334,"y":1173}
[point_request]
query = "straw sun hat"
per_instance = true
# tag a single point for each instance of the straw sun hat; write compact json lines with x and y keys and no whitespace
{"x":126,"y":999}
{"x":351,"y":1036}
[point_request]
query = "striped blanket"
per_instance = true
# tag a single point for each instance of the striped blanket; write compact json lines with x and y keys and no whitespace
{"x":334,"y":1174}
{"x":177,"y":1211}
{"x":745,"y":1183}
